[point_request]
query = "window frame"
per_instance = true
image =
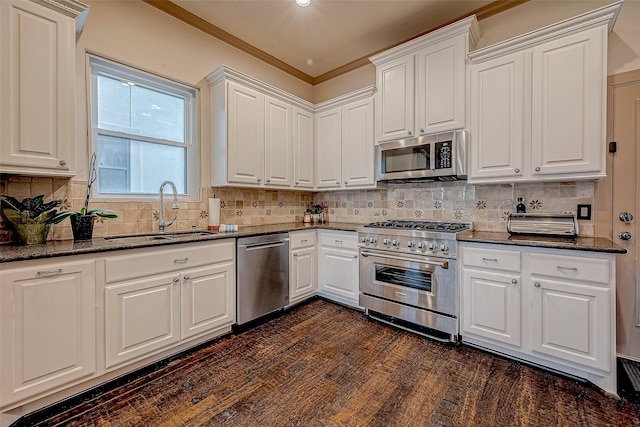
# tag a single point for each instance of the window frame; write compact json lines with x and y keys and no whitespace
{"x":99,"y":65}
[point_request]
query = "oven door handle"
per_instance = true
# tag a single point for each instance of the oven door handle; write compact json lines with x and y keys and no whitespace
{"x":443,"y":264}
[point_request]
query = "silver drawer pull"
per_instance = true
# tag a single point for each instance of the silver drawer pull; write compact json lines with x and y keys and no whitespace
{"x":490,"y":259}
{"x":49,"y":272}
{"x":339,"y":242}
{"x":304,"y":241}
{"x":567,"y":268}
{"x":181,"y":261}
{"x":401,"y":294}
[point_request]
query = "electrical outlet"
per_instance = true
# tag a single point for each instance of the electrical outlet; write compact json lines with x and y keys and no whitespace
{"x":520,"y":199}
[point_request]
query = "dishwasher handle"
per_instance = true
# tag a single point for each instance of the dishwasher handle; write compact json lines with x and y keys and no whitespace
{"x":263,"y":245}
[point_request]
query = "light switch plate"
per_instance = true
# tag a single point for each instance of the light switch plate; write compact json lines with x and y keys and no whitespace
{"x":584,"y":212}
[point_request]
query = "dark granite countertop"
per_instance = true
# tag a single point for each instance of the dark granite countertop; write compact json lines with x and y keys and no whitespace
{"x":58,"y":248}
{"x":596,"y":244}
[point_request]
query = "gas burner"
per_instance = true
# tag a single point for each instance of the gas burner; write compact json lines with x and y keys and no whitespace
{"x":421,"y":225}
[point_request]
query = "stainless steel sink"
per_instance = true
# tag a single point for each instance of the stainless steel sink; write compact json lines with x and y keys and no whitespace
{"x":143,"y":238}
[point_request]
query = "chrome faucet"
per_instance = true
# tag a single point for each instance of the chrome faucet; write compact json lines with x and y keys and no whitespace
{"x":164,"y":223}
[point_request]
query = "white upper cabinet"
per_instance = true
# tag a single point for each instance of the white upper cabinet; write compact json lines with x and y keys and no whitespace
{"x":278,"y":144}
{"x":259,"y":134}
{"x":538,"y":103}
{"x":497,"y":118}
{"x":345,"y":142}
{"x":303,"y":149}
{"x":328,"y":148}
{"x":37,"y":86}
{"x":395,"y":81}
{"x":357,"y":143}
{"x":422,"y":83}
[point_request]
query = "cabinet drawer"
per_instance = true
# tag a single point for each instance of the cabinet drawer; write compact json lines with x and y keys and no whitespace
{"x":146,"y":262}
{"x":570,"y":267}
{"x":339,"y":240}
{"x":302,"y":239}
{"x":493,"y":259}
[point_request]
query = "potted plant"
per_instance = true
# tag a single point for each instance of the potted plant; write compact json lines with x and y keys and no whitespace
{"x":316,"y":211}
{"x":31,"y":218}
{"x":82,"y":221}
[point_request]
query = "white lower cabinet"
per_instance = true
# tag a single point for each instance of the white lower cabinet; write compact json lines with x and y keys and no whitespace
{"x":47,"y":326}
{"x":147,"y":312}
{"x":338,"y":266}
{"x":303,"y":265}
{"x":551,"y":307}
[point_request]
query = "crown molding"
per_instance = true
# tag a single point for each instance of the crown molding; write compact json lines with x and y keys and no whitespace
{"x":217,"y":32}
{"x":605,"y":15}
{"x":189,"y":18}
{"x":72,"y":8}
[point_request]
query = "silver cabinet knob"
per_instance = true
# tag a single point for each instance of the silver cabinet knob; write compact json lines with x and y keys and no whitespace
{"x":355,"y":257}
{"x":297,"y":183}
{"x":259,"y":179}
{"x":421,"y":130}
{"x":517,"y":170}
{"x":538,"y":169}
{"x":337,"y":182}
{"x":63,"y":163}
{"x":514,"y":281}
{"x":176,"y":280}
{"x":268,"y":180}
{"x":346,"y":182}
{"x":625,"y":217}
{"x":186,"y":277}
{"x":409,"y":132}
{"x":536,"y":284}
{"x":625,"y":235}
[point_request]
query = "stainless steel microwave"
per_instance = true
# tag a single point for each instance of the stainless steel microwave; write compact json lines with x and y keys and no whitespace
{"x":431,"y":157}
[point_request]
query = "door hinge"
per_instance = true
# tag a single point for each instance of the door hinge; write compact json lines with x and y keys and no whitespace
{"x":613,"y":147}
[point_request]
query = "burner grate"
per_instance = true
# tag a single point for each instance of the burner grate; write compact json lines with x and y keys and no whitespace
{"x":421,"y":225}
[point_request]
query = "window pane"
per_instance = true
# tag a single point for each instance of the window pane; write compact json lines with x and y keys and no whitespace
{"x":130,"y":166}
{"x":127,"y":107}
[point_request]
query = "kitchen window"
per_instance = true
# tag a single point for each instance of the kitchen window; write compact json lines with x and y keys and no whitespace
{"x":143,"y":129}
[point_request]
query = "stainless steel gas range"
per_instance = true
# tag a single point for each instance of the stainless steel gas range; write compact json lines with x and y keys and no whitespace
{"x":408,"y":275}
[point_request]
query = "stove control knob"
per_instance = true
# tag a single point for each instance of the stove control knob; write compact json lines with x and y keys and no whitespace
{"x":432,"y":245}
{"x":444,"y":247}
{"x":411,"y":244}
{"x":421,"y":245}
{"x":373,"y":240}
{"x":396,"y":243}
{"x":386,"y":242}
{"x":364,"y":239}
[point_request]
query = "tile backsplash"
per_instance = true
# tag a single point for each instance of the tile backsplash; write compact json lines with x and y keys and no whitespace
{"x":486,"y":205}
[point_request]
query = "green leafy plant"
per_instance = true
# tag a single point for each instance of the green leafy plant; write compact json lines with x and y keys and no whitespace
{"x":316,"y":209}
{"x":104,"y":213}
{"x":32,"y":210}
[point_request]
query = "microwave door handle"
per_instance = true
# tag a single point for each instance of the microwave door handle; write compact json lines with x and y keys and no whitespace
{"x":443,"y":264}
{"x":432,"y":157}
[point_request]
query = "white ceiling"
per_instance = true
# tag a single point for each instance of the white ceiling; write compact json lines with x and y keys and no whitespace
{"x":327,"y":34}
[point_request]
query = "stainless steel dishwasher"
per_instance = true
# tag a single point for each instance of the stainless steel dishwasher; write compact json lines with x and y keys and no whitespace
{"x":262,"y":275}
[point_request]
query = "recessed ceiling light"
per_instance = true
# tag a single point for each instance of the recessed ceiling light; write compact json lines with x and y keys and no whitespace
{"x":303,"y":3}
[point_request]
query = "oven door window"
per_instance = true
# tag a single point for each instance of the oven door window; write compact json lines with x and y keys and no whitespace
{"x":408,"y":277}
{"x":406,"y":159}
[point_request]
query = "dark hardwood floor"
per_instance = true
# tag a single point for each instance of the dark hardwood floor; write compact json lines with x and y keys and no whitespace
{"x":326,"y":365}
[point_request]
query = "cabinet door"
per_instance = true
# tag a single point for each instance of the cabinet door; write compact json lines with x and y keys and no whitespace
{"x":491,"y":306}
{"x":37,"y":90}
{"x":303,"y":273}
{"x":245,"y":134}
{"x":208,"y":299}
{"x":141,"y":317}
{"x":357,"y":143}
{"x":568,"y":105}
{"x":329,"y":148}
{"x":571,"y":322}
{"x":339,"y":275}
{"x":441,"y":95}
{"x":47,"y":327}
{"x":278,"y":144}
{"x":497,"y":97}
{"x":395,"y":111}
{"x":303,"y":156}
